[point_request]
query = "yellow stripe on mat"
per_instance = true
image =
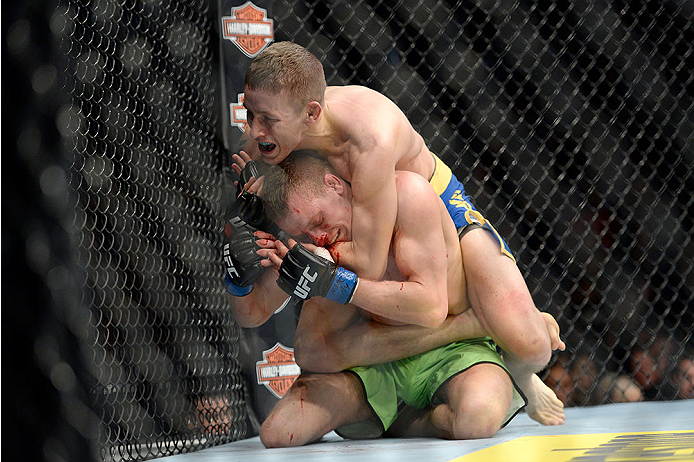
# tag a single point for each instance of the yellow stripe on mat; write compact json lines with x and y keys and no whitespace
{"x":608,"y":447}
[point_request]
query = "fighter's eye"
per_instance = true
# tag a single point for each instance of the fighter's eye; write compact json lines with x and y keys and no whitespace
{"x":318,"y":221}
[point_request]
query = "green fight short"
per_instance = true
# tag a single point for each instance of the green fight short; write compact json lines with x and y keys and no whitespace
{"x":415,"y":381}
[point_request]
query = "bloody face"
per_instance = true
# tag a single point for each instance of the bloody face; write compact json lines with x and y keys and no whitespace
{"x":324,"y":219}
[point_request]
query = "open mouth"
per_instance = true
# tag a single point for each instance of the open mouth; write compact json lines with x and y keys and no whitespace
{"x":266,"y":147}
{"x":337,"y":234}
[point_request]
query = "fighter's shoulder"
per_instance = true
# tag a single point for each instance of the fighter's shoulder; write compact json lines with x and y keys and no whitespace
{"x":355,"y":98}
{"x":351,"y":90}
{"x":369,"y":118}
{"x":418,"y":206}
{"x":413,"y":185}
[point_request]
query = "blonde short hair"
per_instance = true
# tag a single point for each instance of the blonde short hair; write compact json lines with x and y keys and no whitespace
{"x":291,"y":67}
{"x":301,"y":172}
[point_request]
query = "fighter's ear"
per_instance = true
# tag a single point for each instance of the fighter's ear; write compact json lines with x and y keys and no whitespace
{"x":333,"y":182}
{"x":313,"y":112}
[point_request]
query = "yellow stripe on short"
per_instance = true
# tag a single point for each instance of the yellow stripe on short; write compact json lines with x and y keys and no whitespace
{"x":442,"y":176}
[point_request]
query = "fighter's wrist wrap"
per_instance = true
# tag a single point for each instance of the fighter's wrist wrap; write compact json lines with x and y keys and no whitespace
{"x":343,"y":286}
{"x":235,"y":290}
{"x":354,"y":291}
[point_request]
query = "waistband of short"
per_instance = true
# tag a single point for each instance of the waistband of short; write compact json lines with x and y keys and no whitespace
{"x":441,"y":177}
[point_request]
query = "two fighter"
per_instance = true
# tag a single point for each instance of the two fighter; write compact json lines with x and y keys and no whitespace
{"x":365,"y":138}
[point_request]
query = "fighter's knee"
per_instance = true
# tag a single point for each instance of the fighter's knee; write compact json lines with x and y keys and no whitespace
{"x":272,"y":439}
{"x":531,"y":343}
{"x":281,"y":428}
{"x":479,"y":431}
{"x":270,"y":434}
{"x":479,"y":420}
{"x":275,"y":433}
{"x":520,"y":328}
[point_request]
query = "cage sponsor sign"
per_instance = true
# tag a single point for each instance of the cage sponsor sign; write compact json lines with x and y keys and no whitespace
{"x":278,"y":369}
{"x":248,"y":28}
{"x":238,"y":113}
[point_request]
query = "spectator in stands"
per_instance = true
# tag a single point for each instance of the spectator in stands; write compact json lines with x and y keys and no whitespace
{"x":683,"y":378}
{"x":614,"y":388}
{"x":648,"y":367}
{"x":584,"y":373}
{"x":574,"y":383}
{"x":560,"y":381}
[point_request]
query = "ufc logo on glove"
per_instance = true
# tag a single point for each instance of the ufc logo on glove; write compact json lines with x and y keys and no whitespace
{"x":327,"y":279}
{"x":302,"y":288}
{"x":229,"y":262}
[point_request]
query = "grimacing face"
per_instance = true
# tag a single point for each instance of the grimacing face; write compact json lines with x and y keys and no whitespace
{"x":324,"y":219}
{"x":275,"y":122}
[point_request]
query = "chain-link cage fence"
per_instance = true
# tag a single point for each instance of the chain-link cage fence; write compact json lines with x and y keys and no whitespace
{"x":140,"y":185}
{"x":570,"y":124}
{"x":149,"y":219}
{"x":47,"y":377}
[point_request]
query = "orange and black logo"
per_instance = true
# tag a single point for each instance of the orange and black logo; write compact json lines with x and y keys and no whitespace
{"x":248,"y":28}
{"x":278,"y":370}
{"x":238,"y":114}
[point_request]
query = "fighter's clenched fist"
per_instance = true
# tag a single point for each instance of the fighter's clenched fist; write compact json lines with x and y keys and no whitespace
{"x":241,"y":259}
{"x":305,"y":275}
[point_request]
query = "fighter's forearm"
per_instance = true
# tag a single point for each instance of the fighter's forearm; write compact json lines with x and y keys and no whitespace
{"x":410,"y":302}
{"x":368,"y":342}
{"x":257,"y":307}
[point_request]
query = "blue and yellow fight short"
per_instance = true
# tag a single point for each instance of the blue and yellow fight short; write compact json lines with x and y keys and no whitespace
{"x":459,"y":205}
{"x":415,"y":381}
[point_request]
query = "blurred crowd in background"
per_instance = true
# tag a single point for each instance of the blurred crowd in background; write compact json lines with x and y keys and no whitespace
{"x":651,"y":374}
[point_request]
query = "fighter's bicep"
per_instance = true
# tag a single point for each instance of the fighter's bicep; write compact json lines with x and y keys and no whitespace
{"x":420,"y":247}
{"x":374,"y":209}
{"x":422,"y":259}
{"x":373,"y":184}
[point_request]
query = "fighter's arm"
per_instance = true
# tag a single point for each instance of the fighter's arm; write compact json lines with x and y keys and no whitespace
{"x":418,"y":295}
{"x":325,"y":344}
{"x":252,"y":289}
{"x":332,"y":336}
{"x":374,"y":208}
{"x":381,"y":137}
{"x":420,"y":254}
{"x":255,"y":309}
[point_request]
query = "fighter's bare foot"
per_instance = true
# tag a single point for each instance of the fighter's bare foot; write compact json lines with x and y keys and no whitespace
{"x":543,"y":404}
{"x":553,"y":330}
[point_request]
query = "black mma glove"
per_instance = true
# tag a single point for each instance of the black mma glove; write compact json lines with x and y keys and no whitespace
{"x":240,"y":258}
{"x":249,"y":206}
{"x":250,"y":170}
{"x":305,"y":275}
